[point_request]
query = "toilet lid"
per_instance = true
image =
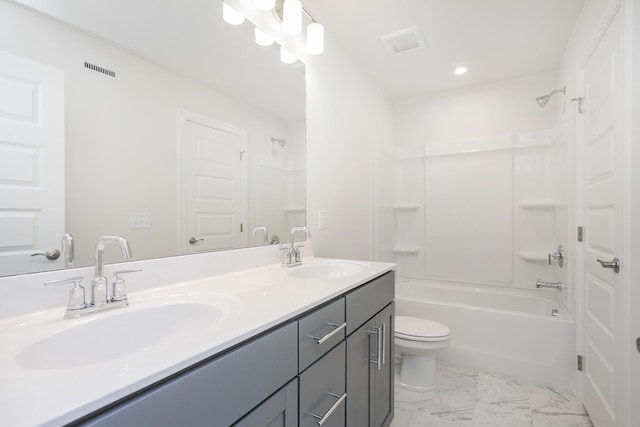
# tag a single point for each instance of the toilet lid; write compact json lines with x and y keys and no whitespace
{"x":417,"y":329}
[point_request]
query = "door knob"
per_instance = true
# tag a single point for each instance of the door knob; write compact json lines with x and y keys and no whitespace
{"x":51,"y":254}
{"x":615,"y":264}
{"x":193,"y":240}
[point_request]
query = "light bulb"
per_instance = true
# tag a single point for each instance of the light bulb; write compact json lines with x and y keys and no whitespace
{"x":315,"y":38}
{"x":262,"y":39}
{"x":460,"y":70}
{"x":265,"y":4}
{"x":286,"y":56}
{"x":292,"y":17}
{"x":230,"y":15}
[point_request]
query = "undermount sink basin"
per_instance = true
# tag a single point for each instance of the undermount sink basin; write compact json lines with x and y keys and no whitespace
{"x":101,"y":339}
{"x":328,"y":270}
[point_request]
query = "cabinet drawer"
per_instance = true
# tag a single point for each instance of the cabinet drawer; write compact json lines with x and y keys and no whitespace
{"x":322,"y":391}
{"x":216,"y":393}
{"x":319,"y":332}
{"x":368,"y":299}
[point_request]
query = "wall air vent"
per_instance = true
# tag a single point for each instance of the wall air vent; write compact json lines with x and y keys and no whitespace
{"x":404,"y":41}
{"x":99,"y":69}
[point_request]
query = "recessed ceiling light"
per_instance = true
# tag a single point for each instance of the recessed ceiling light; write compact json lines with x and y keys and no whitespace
{"x":460,"y":70}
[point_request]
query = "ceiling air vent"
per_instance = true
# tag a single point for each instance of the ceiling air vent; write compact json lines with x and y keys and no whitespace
{"x":404,"y":41}
{"x":99,"y":69}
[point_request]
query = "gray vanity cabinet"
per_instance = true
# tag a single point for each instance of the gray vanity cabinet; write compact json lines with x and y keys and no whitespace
{"x":280,"y":410}
{"x":370,"y":357}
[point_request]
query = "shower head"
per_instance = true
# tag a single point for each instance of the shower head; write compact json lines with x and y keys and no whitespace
{"x":542,"y":100}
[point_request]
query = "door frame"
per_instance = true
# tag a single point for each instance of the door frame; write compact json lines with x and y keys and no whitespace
{"x":185,"y":116}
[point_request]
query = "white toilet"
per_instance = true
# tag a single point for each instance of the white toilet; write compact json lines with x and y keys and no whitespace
{"x":417,"y":341}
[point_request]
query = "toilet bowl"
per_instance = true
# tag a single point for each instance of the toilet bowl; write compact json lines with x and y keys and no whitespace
{"x":417,"y":341}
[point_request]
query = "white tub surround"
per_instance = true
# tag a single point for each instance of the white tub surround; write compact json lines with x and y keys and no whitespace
{"x":252,"y":299}
{"x":507,"y":331}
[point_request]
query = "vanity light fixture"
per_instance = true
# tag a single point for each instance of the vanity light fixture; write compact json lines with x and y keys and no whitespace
{"x":460,"y":70}
{"x":230,"y":15}
{"x":286,"y":56}
{"x":265,"y":4}
{"x":262,"y":38}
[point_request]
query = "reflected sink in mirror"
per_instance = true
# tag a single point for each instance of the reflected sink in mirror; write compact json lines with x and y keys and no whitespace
{"x":328,"y":270}
{"x":101,"y":339}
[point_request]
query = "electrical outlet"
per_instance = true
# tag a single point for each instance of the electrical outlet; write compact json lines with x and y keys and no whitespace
{"x":321,"y":215}
{"x":139,"y":220}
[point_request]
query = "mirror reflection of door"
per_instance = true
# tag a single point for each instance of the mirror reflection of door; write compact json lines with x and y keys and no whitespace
{"x":213,"y":184}
{"x":32,"y":195}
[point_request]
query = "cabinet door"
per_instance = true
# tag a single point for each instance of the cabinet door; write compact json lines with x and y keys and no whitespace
{"x":360,"y":346}
{"x":383,"y":374}
{"x":370,"y":383}
{"x":280,"y":410}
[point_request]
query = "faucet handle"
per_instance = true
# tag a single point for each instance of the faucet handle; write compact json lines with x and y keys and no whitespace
{"x":77,"y":299}
{"x":119,"y":291}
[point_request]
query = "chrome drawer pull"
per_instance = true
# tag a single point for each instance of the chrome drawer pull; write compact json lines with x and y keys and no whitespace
{"x":338,"y":328}
{"x":379,"y":357}
{"x":384,"y":339}
{"x":322,"y":419}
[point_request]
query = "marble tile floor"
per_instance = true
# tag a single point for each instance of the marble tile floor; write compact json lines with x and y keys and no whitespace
{"x":468,"y":397}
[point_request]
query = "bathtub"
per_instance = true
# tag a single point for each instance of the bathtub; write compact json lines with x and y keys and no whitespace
{"x":507,"y":331}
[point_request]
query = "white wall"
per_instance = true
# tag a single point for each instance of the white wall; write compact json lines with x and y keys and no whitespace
{"x":503,"y":107}
{"x":115,"y":126}
{"x":348,"y":127}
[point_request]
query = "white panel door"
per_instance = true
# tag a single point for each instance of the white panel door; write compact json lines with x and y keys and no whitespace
{"x":601,"y":336}
{"x":31,"y":163}
{"x":213,"y":191}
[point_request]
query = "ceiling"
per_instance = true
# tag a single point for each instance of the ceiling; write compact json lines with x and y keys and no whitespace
{"x":496,"y":39}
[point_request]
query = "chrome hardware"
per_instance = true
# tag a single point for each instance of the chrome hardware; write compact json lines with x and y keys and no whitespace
{"x":384,"y":340}
{"x":615,"y":264}
{"x":322,"y":419}
{"x":77,"y":299}
{"x":291,"y":256}
{"x":266,"y":233}
{"x":119,"y":286}
{"x":339,"y":327}
{"x":555,"y":312}
{"x":99,"y":282}
{"x":51,"y":254}
{"x":193,"y":240}
{"x":68,"y":249}
{"x":378,"y":331}
{"x":558,"y":256}
{"x":555,"y":285}
{"x":580,"y":101}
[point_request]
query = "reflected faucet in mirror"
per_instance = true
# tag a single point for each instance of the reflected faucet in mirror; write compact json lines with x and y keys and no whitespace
{"x":266,"y":233}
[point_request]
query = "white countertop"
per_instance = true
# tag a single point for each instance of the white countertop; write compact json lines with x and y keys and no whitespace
{"x":252,"y":301}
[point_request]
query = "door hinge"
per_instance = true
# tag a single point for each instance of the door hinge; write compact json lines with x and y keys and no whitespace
{"x":580,"y":234}
{"x":638,"y":344}
{"x":241,"y":227}
{"x":579,"y":363}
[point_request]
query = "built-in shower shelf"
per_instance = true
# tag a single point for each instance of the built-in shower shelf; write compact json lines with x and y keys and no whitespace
{"x":538,"y":257}
{"x":538,"y":204}
{"x":295,"y":209}
{"x":405,"y":207}
{"x":406,"y":250}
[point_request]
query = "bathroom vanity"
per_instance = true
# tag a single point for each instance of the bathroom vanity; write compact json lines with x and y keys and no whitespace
{"x":298,"y":346}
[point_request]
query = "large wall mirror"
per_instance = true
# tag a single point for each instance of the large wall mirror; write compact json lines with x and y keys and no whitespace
{"x":155,"y":121}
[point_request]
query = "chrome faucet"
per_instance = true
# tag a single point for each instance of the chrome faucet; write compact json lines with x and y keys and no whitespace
{"x":291,"y":256}
{"x":266,"y":233}
{"x":99,"y":283}
{"x":554,"y":285}
{"x":78,"y":306}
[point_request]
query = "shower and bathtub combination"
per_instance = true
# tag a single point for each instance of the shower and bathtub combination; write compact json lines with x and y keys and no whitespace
{"x":477,"y":251}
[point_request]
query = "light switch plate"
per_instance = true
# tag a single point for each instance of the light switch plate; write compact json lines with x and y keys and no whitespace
{"x":139,"y":220}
